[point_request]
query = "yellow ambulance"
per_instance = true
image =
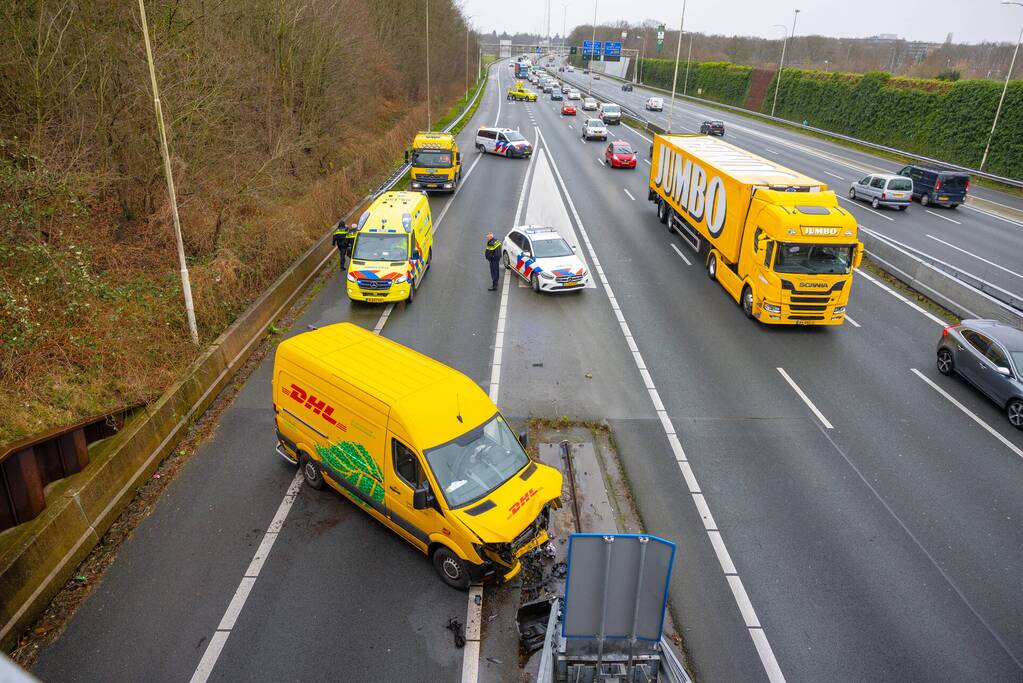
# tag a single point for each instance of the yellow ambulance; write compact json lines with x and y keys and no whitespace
{"x":417,"y":445}
{"x":393,"y":248}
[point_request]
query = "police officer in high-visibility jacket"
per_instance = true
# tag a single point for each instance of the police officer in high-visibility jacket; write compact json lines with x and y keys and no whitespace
{"x":492,"y":251}
{"x":340,"y":239}
{"x":353,"y":230}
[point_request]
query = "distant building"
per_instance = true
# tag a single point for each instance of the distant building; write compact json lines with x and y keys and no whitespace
{"x":902,"y":52}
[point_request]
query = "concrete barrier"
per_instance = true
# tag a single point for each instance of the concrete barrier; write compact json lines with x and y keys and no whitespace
{"x":936,"y":285}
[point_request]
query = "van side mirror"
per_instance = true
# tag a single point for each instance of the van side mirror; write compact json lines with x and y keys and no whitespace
{"x":422,"y":497}
{"x":406,"y":156}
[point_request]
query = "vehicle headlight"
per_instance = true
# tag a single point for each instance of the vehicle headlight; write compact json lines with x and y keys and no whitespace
{"x":546,"y":276}
{"x":447,"y":185}
{"x":400,"y":280}
{"x":839,"y":309}
{"x":351,"y":278}
{"x":771,"y":308}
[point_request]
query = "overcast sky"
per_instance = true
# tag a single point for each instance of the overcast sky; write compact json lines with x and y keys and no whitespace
{"x":970,"y":21}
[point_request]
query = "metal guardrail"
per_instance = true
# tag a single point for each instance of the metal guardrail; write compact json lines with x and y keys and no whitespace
{"x":1012,"y":182}
{"x":964,"y":276}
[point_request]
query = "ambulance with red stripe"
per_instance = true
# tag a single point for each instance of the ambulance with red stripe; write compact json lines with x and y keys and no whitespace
{"x":542,"y":257}
{"x":393,"y":248}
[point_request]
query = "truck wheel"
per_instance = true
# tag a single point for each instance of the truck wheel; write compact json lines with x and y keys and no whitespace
{"x":451,"y":568}
{"x":311,"y":472}
{"x":662,"y":211}
{"x":712,"y":267}
{"x":747,"y":302}
{"x":925,"y":199}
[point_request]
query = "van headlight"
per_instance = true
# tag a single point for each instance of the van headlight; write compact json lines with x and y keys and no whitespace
{"x":400,"y":280}
{"x":771,"y":308}
{"x":351,"y":278}
{"x":546,"y":276}
{"x":839,"y":309}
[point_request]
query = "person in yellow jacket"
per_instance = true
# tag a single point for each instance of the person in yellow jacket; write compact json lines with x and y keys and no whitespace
{"x":492,"y":252}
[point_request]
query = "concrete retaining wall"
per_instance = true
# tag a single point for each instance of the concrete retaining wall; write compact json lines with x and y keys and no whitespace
{"x":958,"y":297}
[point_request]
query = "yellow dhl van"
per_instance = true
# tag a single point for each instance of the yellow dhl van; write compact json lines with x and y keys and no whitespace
{"x":393,"y":248}
{"x":436,"y":162}
{"x":417,"y":445}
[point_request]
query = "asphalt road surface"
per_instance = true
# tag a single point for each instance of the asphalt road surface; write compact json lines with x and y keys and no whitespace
{"x":843,"y":512}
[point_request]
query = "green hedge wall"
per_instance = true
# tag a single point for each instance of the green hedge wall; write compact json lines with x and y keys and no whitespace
{"x":720,"y":81}
{"x":948,"y":121}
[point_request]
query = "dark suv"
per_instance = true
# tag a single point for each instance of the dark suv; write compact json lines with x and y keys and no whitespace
{"x":936,"y":185}
{"x":713,"y":128}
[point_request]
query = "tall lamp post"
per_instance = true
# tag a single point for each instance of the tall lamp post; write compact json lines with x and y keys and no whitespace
{"x":685,"y":83}
{"x":781,"y":66}
{"x":429,"y":117}
{"x":172,"y":196}
{"x":678,"y":56}
{"x":1005,"y":87}
{"x":593,"y":39}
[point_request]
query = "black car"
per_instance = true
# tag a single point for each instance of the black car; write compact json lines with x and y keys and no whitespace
{"x":627,"y":87}
{"x":556,"y":94}
{"x":937,"y":185}
{"x":713,"y":128}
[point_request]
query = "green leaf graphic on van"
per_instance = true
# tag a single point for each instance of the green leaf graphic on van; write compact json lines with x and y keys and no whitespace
{"x":353,"y":462}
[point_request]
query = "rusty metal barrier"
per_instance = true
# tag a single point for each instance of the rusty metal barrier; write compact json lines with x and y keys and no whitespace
{"x":28,"y":465}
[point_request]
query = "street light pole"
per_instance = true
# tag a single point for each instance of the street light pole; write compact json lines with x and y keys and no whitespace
{"x":429,"y":117}
{"x":172,"y":196}
{"x":593,"y":39}
{"x":678,"y":56}
{"x":781,"y":66}
{"x":685,"y":83}
{"x":1005,"y":87}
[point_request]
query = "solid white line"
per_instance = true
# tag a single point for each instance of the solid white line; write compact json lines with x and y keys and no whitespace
{"x":241,"y":594}
{"x":766,"y":654}
{"x":979,"y":258}
{"x":772,"y":151}
{"x":805,"y":398}
{"x":749,"y":615}
{"x":774,"y":674}
{"x":834,"y":175}
{"x":854,"y":323}
{"x":681,"y":255}
{"x":630,"y":194}
{"x":637,"y":132}
{"x":945,"y":218}
{"x":857,"y":204}
{"x":1008,"y":444}
{"x":601,"y":161}
{"x":993,"y":215}
{"x":383,"y":318}
{"x":903,"y":299}
{"x":722,"y":552}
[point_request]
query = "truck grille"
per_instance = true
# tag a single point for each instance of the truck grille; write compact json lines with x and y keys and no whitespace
{"x":431,"y":178}
{"x":367,"y":283}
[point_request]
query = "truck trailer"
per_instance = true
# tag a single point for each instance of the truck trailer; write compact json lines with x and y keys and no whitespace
{"x":776,"y":240}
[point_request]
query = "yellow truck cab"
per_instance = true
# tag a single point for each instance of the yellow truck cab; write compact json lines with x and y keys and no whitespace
{"x":415,"y":444}
{"x":776,"y":240}
{"x":436,"y":162}
{"x":393,"y":248}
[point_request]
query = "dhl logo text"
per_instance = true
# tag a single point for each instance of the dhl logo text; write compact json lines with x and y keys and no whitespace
{"x":319,"y":407}
{"x":517,"y":505}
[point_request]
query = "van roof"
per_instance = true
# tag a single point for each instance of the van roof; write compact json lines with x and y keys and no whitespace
{"x":431,"y":401}
{"x":940,"y":169}
{"x":739,"y":164}
{"x":386,"y":212}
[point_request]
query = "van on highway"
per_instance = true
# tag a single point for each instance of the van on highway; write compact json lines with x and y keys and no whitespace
{"x":415,"y":444}
{"x":935,"y":185}
{"x":393,"y":248}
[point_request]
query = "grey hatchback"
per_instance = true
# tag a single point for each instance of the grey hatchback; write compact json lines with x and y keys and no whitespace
{"x":989,"y":354}
{"x":883,"y":189}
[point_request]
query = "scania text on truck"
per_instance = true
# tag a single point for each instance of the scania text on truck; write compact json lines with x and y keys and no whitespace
{"x":776,"y":240}
{"x":436,"y":162}
{"x":415,"y":444}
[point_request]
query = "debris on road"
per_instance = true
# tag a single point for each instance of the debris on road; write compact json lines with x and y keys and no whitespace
{"x":532,"y":621}
{"x":455,"y":626}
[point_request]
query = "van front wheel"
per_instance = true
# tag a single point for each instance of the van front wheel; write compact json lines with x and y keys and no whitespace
{"x":451,"y":568}
{"x":311,"y":472}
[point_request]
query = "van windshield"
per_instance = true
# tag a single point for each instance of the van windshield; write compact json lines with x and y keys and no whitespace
{"x":431,"y":157}
{"x":476,"y":463}
{"x":377,"y":246}
{"x":814,"y":259}
{"x":611,"y":109}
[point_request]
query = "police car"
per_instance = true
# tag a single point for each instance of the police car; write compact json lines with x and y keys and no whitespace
{"x":542,"y":257}
{"x":503,"y":141}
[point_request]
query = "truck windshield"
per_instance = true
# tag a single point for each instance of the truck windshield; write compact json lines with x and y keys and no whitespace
{"x":376,"y":246}
{"x":814,"y":259}
{"x":476,"y":463}
{"x":431,"y":157}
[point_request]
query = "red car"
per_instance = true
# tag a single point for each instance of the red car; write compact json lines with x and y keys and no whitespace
{"x":568,"y":109}
{"x":620,"y":154}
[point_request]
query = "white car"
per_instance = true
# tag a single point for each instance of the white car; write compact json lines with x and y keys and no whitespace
{"x":574,"y":95}
{"x":542,"y":257}
{"x":655,"y":104}
{"x":594,"y":128}
{"x":590,"y":104}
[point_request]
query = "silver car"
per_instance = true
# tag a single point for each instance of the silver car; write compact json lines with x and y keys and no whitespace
{"x":884,"y":189}
{"x":989,"y":354}
{"x":574,"y":95}
{"x":590,"y":104}
{"x":594,"y":128}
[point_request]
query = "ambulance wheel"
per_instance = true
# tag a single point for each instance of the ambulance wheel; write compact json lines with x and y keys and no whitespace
{"x":429,"y":259}
{"x":451,"y":568}
{"x":311,"y":472}
{"x":411,"y":293}
{"x":747,"y":302}
{"x":507,"y":261}
{"x":712,"y":267}
{"x":534,"y":280}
